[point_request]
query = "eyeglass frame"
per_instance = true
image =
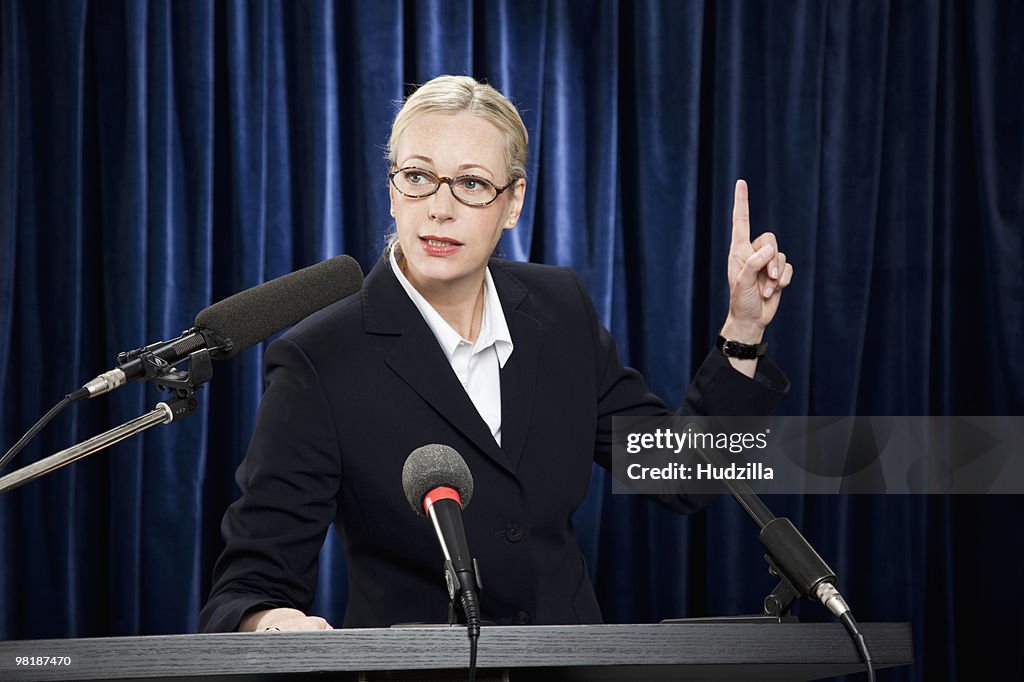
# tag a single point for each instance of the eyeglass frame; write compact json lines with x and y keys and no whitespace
{"x":443,"y":179}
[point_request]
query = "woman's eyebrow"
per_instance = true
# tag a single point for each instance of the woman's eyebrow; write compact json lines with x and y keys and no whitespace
{"x":465,"y":166}
{"x":420,"y":157}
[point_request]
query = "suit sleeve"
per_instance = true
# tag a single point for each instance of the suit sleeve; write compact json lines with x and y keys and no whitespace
{"x":717,"y":389}
{"x":289,"y":481}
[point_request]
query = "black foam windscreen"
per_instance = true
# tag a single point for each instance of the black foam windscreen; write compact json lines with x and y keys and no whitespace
{"x":433,"y":466}
{"x":248,"y":317}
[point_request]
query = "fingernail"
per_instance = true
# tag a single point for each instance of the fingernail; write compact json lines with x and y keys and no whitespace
{"x":768,"y":291}
{"x":775,"y":272}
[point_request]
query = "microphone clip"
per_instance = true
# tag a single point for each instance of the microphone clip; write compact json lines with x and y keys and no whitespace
{"x":780,"y":601}
{"x":153,"y":365}
{"x":153,"y":362}
{"x":455,"y":581}
{"x":184,"y":383}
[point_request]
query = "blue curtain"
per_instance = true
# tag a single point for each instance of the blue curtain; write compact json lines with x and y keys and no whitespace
{"x":158,"y":156}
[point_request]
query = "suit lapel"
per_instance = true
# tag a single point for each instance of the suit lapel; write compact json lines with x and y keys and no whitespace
{"x":419,"y":361}
{"x":519,"y":375}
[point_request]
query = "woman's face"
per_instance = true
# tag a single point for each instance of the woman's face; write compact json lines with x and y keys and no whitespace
{"x":445,"y":242}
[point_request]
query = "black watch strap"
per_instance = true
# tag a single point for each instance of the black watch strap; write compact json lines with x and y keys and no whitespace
{"x":742,"y":351}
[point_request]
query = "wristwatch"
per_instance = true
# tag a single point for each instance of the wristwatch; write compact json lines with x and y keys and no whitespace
{"x":742,"y":351}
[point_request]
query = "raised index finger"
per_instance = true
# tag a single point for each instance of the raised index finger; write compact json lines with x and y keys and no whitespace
{"x":740,"y":214}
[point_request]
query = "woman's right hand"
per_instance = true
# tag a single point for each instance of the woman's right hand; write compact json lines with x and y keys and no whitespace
{"x":274,"y":620}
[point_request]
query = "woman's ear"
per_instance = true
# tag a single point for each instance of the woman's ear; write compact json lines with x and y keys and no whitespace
{"x":516,"y":205}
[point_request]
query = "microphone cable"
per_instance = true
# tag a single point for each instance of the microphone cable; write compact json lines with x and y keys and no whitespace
{"x":471,"y":609}
{"x":858,"y":638}
{"x":832,"y":600}
{"x":74,"y":397}
{"x":474,"y":636}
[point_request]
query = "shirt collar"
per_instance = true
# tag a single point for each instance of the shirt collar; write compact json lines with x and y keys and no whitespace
{"x":493,"y":328}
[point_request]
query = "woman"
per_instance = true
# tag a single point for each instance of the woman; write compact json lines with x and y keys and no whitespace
{"x":505,"y":362}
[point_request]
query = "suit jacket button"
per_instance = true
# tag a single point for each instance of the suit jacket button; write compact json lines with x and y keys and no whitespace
{"x":513,"y":532}
{"x":522,"y":618}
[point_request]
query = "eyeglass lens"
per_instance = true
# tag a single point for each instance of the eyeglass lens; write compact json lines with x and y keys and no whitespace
{"x":416,"y":182}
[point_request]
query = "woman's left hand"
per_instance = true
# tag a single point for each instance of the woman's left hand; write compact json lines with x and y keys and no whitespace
{"x":758,"y":272}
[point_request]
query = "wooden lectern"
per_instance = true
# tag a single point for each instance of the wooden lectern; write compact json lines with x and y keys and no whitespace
{"x":770,"y":652}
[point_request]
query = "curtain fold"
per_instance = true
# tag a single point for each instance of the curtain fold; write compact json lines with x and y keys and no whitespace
{"x":158,"y":156}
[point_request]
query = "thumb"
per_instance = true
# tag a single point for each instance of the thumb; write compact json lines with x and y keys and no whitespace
{"x":754,"y":264}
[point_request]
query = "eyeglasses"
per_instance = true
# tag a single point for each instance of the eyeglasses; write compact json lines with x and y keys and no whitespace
{"x":471,"y":190}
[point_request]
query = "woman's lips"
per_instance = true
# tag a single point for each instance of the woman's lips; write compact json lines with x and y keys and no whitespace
{"x":439,"y":246}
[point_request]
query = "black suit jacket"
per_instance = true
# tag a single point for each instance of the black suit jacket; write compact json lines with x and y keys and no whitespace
{"x":353,"y":389}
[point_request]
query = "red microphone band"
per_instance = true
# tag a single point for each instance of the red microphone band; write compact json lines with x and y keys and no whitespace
{"x":440,"y":493}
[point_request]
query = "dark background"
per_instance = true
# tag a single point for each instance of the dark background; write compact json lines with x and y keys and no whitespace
{"x":159,"y":156}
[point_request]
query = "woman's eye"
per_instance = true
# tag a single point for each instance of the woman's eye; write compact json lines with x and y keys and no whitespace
{"x":415,"y":178}
{"x":471,"y":184}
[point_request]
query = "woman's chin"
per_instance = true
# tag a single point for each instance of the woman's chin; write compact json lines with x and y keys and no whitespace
{"x":430,"y":270}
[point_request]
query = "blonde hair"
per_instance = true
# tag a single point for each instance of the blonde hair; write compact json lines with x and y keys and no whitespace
{"x":452,"y":94}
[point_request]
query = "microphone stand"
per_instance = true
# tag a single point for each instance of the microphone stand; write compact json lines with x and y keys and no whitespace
{"x":182,"y":384}
{"x":800,"y":570}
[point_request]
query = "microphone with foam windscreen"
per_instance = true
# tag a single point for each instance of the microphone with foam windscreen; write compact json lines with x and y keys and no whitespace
{"x":224,"y":329}
{"x":238,"y":322}
{"x":438,"y":485}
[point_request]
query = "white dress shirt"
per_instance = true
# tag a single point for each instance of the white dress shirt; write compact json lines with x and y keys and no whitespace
{"x":477,"y":365}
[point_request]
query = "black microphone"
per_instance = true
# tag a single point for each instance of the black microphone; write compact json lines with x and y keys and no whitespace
{"x":800,"y":569}
{"x":238,"y":322}
{"x":438,"y":484}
